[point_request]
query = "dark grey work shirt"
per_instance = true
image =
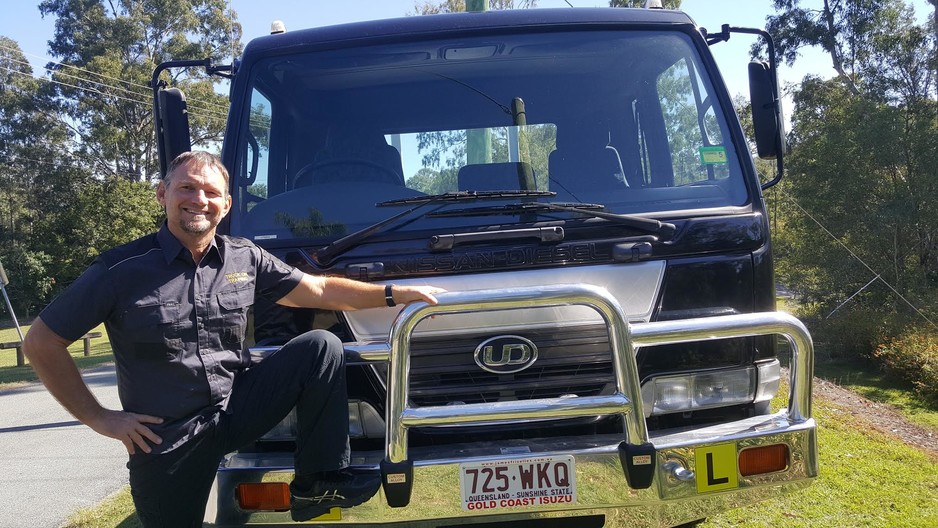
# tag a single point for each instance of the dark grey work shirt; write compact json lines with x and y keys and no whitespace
{"x":177,"y":328}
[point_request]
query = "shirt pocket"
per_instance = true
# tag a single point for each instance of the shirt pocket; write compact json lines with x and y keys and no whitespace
{"x":153,"y":330}
{"x":232,"y":319}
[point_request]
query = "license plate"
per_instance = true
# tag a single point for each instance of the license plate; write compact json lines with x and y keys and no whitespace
{"x":518,"y":483}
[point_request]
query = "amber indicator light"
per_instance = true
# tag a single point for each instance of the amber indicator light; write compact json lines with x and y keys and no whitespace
{"x":263,"y":496}
{"x":765,"y":459}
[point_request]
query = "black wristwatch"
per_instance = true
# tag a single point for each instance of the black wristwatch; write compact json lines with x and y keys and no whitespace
{"x":389,"y":295}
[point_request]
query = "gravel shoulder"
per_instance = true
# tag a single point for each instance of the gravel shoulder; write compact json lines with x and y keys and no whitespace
{"x":879,"y":416}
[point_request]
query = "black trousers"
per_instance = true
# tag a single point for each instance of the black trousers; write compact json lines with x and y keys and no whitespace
{"x":171,"y":489}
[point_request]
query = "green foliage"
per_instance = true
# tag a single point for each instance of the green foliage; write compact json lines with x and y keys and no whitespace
{"x":913,"y":356}
{"x":432,"y":181}
{"x":849,"y":31}
{"x":681,"y":113}
{"x":852,"y":333}
{"x":857,"y":216}
{"x":30,"y":279}
{"x":107,"y":53}
{"x":96,"y":216}
{"x":858,"y":169}
{"x":445,"y":152}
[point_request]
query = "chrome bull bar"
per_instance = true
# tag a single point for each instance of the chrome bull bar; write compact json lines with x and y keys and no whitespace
{"x":636,"y":452}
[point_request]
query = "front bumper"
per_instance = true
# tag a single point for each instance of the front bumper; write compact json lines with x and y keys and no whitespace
{"x":618,"y":483}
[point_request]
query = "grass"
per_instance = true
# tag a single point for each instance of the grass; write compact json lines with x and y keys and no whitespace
{"x":867,"y":380}
{"x":116,"y":511}
{"x":12,"y":376}
{"x":868,"y":479}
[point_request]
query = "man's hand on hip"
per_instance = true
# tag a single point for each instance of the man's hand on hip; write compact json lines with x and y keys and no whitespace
{"x":129,"y":428}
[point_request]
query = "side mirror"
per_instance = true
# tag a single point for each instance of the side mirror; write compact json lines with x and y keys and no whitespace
{"x":766,"y":113}
{"x":172,"y":126}
{"x":767,"y":123}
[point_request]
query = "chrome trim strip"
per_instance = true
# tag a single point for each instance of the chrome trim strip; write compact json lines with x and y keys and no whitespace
{"x":636,"y":285}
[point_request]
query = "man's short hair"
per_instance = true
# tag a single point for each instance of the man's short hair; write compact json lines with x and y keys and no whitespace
{"x":199,"y":158}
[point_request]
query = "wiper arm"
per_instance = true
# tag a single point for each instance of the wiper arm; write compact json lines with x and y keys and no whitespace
{"x":648,"y":225}
{"x":459,"y":196}
{"x":327,"y":254}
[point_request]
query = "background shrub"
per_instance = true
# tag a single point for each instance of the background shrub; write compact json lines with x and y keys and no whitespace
{"x":851,"y":334}
{"x":913,"y":356}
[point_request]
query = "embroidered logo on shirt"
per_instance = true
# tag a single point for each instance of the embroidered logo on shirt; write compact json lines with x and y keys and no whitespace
{"x":236,"y":277}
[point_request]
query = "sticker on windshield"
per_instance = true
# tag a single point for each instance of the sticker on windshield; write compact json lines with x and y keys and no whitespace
{"x":713,"y":155}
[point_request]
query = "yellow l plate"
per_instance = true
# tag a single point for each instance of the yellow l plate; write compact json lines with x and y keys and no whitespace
{"x":717,"y":467}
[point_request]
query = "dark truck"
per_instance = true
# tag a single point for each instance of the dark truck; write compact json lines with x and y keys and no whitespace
{"x":580,"y":183}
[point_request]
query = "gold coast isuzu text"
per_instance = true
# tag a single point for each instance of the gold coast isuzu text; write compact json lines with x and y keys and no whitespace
{"x":579,"y":182}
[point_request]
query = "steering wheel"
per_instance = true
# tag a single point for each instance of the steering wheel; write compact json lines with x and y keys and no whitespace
{"x":385,"y":174}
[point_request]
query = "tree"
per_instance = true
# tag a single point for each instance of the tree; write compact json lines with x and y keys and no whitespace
{"x":854,"y":33}
{"x":432,"y":182}
{"x":31,"y":139}
{"x":34,"y":151}
{"x":107,"y":52}
{"x":861,"y":190}
{"x":30,"y":278}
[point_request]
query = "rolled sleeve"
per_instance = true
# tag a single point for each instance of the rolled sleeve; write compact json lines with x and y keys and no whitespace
{"x":275,"y":278}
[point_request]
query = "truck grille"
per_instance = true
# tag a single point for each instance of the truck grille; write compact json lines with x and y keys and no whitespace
{"x":572,"y":361}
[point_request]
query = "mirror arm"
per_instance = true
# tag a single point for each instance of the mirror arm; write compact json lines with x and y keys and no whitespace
{"x":724,"y":35}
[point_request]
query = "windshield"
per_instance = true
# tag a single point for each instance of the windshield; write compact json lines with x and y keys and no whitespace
{"x":627,"y":120}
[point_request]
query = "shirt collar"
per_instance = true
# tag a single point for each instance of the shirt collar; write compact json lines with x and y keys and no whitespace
{"x":172,"y":247}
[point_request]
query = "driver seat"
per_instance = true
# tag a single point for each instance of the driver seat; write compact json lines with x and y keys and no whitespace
{"x":354,"y":154}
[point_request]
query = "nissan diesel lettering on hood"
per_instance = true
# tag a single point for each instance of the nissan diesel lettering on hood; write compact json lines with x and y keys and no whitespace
{"x":579,"y":182}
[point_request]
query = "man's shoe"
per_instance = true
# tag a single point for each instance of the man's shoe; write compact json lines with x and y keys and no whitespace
{"x":338,"y":489}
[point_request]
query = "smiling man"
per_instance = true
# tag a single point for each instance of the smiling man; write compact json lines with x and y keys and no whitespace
{"x":175,"y":305}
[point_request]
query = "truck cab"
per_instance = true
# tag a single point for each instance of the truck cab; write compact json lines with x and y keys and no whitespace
{"x":579,"y":182}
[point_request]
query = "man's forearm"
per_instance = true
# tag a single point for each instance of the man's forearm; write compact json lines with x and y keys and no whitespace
{"x":346,"y":294}
{"x":49,"y":357}
{"x":336,"y":293}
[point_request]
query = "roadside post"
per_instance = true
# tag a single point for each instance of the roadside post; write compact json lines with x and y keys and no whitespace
{"x":20,"y":360}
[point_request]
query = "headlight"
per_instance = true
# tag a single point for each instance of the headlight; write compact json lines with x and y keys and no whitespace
{"x":716,"y":388}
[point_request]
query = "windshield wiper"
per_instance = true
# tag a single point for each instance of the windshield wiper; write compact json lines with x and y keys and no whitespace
{"x":459,"y":196}
{"x":325,"y":255}
{"x":648,"y":225}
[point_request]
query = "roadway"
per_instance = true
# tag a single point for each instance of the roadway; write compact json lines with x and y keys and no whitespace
{"x":50,"y":464}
